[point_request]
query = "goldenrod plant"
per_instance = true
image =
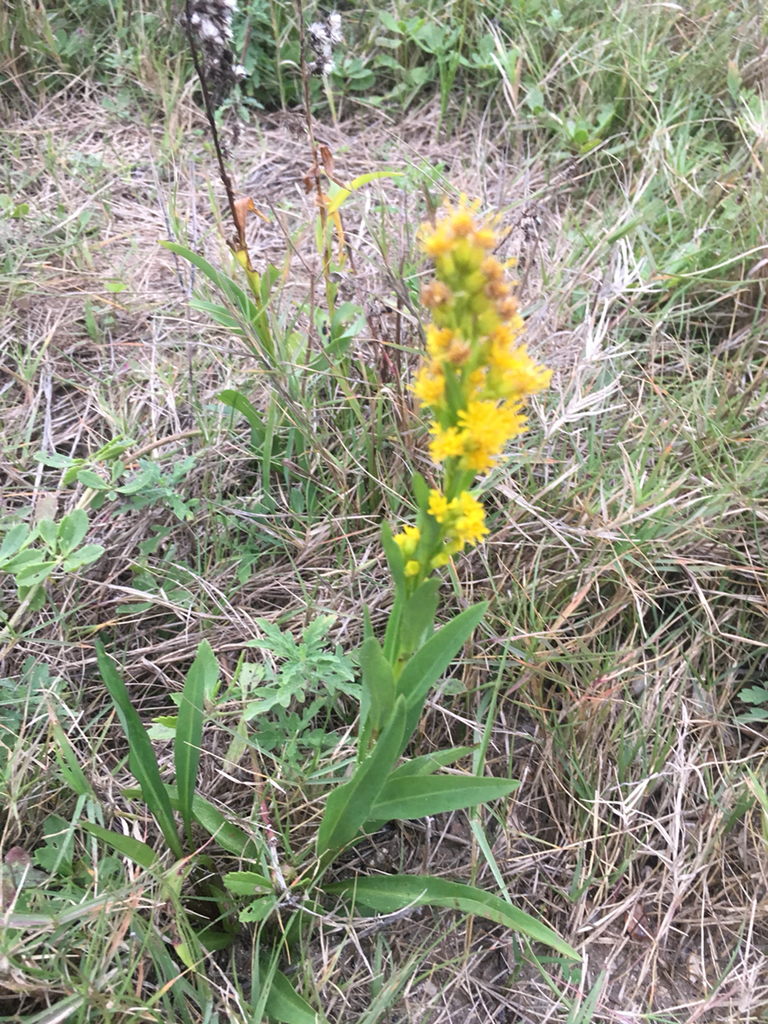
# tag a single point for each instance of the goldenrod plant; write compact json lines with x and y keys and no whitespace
{"x":474,"y":384}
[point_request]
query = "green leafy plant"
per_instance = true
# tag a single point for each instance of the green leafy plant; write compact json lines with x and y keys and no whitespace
{"x":382,"y":788}
{"x":109,"y":478}
{"x":280,"y":708}
{"x":756,"y":697}
{"x":163,"y":800}
{"x":60,"y":549}
{"x":12,"y":210}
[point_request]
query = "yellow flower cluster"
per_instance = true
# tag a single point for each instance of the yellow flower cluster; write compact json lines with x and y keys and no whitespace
{"x":475,"y":381}
{"x":408,"y":541}
{"x":463,"y":522}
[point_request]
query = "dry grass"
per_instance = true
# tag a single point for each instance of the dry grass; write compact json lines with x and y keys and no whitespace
{"x":629,"y":611}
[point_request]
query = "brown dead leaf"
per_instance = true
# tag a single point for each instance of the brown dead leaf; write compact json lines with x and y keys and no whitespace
{"x":310,"y":177}
{"x":638,"y":925}
{"x":327,"y":157}
{"x":240,"y":210}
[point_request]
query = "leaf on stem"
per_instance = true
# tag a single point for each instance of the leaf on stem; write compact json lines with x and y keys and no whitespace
{"x":129,"y":847}
{"x":285,"y":1004}
{"x":349,"y":805}
{"x":201,"y":679}
{"x":141,"y":760}
{"x":417,"y":796}
{"x":389,"y":893}
{"x":428,"y":664}
{"x":378,"y":685}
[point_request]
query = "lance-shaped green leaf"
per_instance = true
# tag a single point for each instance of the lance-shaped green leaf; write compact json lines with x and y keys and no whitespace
{"x":201,"y":679}
{"x":418,"y":616}
{"x":388,"y":893}
{"x":344,"y":193}
{"x":349,"y":805}
{"x":228,"y":836}
{"x":378,"y":686}
{"x":428,"y":664}
{"x":233,"y":291}
{"x":141,"y":759}
{"x":131,"y":848}
{"x":237,"y":401}
{"x":417,"y":796}
{"x":395,"y":559}
{"x":428,"y":764}
{"x":285,"y":1004}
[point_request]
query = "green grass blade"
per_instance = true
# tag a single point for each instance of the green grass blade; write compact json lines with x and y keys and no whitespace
{"x":388,"y":893}
{"x":349,"y":806}
{"x":583,"y":1014}
{"x":418,"y":796}
{"x":141,"y":760}
{"x":73,"y":774}
{"x":60,"y":1011}
{"x":200,"y":680}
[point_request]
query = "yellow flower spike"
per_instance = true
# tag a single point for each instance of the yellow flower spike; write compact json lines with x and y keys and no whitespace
{"x":475,"y":379}
{"x":462,"y":222}
{"x":467,"y":257}
{"x":514,"y":373}
{"x":476,"y":282}
{"x":470,"y":525}
{"x":436,"y":243}
{"x":492,"y":269}
{"x":486,"y":237}
{"x":480,"y":305}
{"x":458,"y":352}
{"x":452,"y":546}
{"x":506,"y":307}
{"x":498,"y":289}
